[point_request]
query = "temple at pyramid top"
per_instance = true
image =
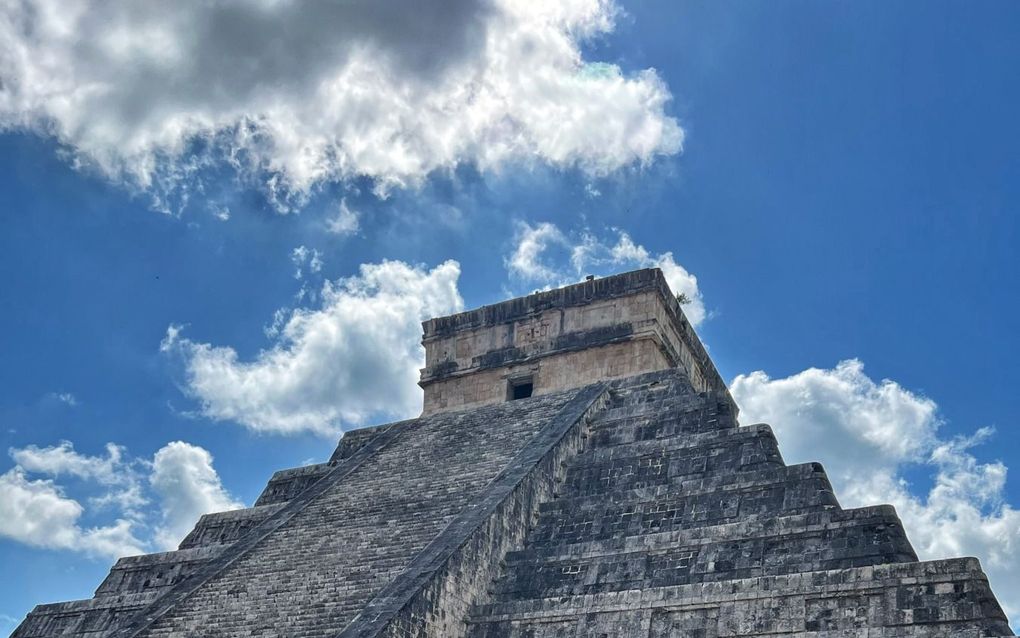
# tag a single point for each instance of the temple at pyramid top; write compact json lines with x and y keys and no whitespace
{"x":579,"y":470}
{"x":596,"y":330}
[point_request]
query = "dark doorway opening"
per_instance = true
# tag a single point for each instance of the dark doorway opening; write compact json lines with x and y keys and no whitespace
{"x":521,"y":388}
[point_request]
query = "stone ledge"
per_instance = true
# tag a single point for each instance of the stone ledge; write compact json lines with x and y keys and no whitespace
{"x":99,"y":602}
{"x":735,"y":482}
{"x":286,"y":484}
{"x":176,"y":556}
{"x":680,"y":442}
{"x":354,"y":440}
{"x":569,"y":342}
{"x":744,"y":530}
{"x":854,"y":579}
{"x":580,"y":294}
{"x":233,"y":519}
{"x":159,"y":568}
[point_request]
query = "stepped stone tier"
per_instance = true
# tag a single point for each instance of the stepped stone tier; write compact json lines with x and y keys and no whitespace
{"x":579,"y":471}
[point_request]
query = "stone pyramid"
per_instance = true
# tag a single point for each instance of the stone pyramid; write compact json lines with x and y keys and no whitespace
{"x":578,"y":471}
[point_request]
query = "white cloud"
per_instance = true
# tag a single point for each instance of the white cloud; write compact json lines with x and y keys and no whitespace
{"x":868,"y":435}
{"x":303,"y":257}
{"x":869,"y":425}
{"x":545,"y":255}
{"x":188,"y":486}
{"x":529,"y":258}
{"x":358,"y":354}
{"x":128,"y":498}
{"x":295,"y":93}
{"x":37,"y":513}
{"x":345,"y":222}
{"x":61,"y":459}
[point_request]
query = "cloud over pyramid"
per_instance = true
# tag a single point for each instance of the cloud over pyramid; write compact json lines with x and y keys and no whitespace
{"x":578,"y":470}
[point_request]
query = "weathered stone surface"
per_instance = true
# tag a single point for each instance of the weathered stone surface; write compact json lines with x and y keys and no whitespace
{"x":636,"y":506}
{"x":369,"y":526}
{"x":94,"y":618}
{"x":227,"y":527}
{"x":150,"y":572}
{"x":570,"y":337}
{"x":674,"y":521}
{"x":286,"y":484}
{"x":934,"y":599}
{"x":433,"y":595}
{"x":308,"y":566}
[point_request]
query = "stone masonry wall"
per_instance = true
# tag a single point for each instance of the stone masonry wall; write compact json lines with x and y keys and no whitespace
{"x":632,"y":321}
{"x":550,"y":374}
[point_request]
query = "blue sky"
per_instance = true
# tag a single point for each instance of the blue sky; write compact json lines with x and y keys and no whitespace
{"x":196,"y":271}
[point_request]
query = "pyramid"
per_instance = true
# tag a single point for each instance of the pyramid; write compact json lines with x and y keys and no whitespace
{"x":578,"y":470}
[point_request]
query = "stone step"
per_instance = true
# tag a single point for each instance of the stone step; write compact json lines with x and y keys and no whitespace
{"x":762,"y":527}
{"x":708,"y":555}
{"x":354,"y":440}
{"x":651,"y":381}
{"x":724,"y":499}
{"x":764,"y":478}
{"x":135,"y":574}
{"x":655,"y":392}
{"x":627,"y":428}
{"x":599,"y":453}
{"x":226,"y":527}
{"x":671,"y":406}
{"x":664,"y":461}
{"x":90,"y":618}
{"x":286,"y":484}
{"x":931,"y":599}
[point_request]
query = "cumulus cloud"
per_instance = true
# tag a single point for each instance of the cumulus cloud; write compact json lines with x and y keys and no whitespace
{"x":187,"y":485}
{"x":355,"y":355}
{"x":295,"y":93}
{"x":530,"y":255}
{"x":37,"y":513}
{"x":868,"y":434}
{"x":180,"y":481}
{"x":547,"y":256}
{"x":62,"y":459}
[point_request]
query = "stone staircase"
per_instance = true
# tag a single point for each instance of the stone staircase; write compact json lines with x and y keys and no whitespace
{"x":320,"y":542}
{"x":674,"y":521}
